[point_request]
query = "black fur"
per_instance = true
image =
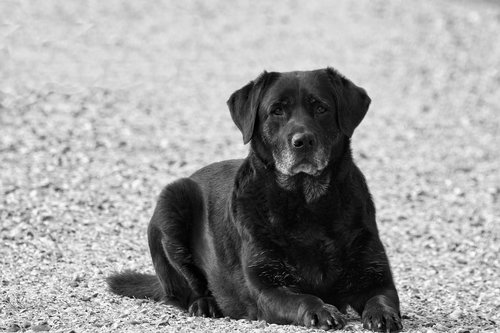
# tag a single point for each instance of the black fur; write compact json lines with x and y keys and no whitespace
{"x":133,"y":284}
{"x":287,"y":235}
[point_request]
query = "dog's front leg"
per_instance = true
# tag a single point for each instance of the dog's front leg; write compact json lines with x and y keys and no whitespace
{"x":279,"y":303}
{"x":283,"y":306}
{"x":381,"y":311}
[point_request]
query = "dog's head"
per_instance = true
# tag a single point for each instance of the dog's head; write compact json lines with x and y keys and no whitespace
{"x":296,"y":119}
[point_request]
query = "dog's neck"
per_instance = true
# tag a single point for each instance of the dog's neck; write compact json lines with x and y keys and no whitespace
{"x":312,"y":187}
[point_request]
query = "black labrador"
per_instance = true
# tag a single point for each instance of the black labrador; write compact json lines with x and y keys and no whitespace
{"x":286,"y":235}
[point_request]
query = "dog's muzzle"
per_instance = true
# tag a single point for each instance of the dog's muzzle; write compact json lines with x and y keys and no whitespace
{"x":303,"y":154}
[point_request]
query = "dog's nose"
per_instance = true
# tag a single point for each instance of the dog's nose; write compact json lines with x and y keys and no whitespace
{"x":303,"y":140}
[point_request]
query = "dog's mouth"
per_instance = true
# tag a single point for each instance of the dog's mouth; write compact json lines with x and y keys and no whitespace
{"x":305,"y":166}
{"x":290,"y":164}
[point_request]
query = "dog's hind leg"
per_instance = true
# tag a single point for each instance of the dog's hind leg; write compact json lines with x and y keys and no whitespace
{"x":169,"y":233}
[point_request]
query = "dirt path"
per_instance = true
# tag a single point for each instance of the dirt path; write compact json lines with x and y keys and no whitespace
{"x":102,"y":104}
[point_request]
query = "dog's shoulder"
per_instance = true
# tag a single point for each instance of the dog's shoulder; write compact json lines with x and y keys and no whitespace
{"x":217,"y":174}
{"x":216,"y":181}
{"x":360,"y":205}
{"x":358,"y":186}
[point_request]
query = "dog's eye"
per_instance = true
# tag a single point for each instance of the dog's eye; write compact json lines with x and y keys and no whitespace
{"x":277,"y":111}
{"x":320,"y":109}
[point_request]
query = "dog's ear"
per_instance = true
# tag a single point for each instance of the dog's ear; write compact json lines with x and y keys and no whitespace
{"x":244,"y":104}
{"x":352,"y":102}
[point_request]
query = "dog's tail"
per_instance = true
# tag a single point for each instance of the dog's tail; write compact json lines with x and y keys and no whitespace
{"x":137,"y":285}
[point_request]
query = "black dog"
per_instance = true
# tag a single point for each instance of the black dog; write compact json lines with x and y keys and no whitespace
{"x":287,"y":235}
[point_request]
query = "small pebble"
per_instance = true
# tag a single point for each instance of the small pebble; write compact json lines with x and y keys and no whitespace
{"x":439,"y":327}
{"x":41,"y":328}
{"x":13,"y":328}
{"x":455,"y":314}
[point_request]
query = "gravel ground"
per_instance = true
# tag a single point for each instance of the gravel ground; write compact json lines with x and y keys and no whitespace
{"x":103,"y":103}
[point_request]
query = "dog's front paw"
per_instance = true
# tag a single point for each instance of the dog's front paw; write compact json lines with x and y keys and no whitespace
{"x":323,"y":316}
{"x":205,"y":307}
{"x":380,"y":318}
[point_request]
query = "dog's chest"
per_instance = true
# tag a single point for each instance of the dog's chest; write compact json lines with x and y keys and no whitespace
{"x":317,"y":260}
{"x":314,"y":259}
